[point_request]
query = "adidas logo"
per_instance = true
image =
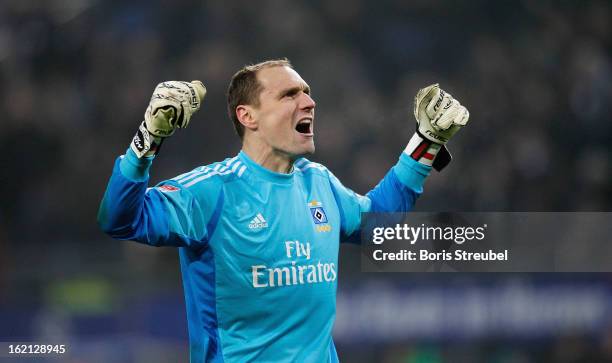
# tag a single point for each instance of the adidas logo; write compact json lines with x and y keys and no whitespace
{"x":258,"y":222}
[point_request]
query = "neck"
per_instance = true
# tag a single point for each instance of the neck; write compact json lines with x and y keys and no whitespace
{"x":266,"y":157}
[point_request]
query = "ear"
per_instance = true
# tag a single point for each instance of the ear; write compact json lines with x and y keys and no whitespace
{"x":246,"y":116}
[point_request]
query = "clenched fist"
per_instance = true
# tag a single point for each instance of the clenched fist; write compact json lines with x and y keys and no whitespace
{"x":438,"y":114}
{"x":172,"y":105}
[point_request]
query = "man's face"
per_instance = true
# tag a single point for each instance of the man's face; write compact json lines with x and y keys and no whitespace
{"x":285,"y":114}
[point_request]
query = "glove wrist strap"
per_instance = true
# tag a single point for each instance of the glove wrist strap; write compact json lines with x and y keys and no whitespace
{"x":422,"y":149}
{"x":144,"y":143}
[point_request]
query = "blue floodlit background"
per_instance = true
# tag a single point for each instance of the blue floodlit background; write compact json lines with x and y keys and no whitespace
{"x":77,"y":75}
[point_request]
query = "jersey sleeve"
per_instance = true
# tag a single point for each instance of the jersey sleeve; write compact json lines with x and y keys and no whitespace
{"x":165,"y":215}
{"x":396,"y":192}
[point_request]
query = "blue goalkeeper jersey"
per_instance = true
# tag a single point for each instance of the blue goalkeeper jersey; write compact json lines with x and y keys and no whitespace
{"x":258,"y":250}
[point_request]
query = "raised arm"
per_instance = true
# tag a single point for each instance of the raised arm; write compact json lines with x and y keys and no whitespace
{"x":439,"y":116}
{"x":167,"y":214}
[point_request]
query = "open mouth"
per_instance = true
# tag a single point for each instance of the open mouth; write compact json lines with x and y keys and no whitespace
{"x":304,"y":126}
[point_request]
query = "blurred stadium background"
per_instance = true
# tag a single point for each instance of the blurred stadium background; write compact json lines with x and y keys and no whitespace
{"x":77,"y":75}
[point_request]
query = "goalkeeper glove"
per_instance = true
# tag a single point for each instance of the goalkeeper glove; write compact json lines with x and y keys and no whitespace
{"x":439,"y":116}
{"x":172,"y":105}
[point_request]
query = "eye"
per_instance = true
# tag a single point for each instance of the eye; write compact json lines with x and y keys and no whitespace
{"x":291,"y":93}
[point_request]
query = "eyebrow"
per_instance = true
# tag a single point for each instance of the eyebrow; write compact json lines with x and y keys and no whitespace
{"x":293,"y":90}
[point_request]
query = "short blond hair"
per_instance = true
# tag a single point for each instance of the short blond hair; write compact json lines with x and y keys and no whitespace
{"x":244,"y":88}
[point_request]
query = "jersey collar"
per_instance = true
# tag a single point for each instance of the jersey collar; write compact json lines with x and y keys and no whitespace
{"x":264,"y":173}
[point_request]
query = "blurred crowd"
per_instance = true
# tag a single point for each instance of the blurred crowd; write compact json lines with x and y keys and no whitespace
{"x":536,"y":77}
{"x":77,"y":74}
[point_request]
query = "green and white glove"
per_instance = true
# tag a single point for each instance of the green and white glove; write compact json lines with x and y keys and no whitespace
{"x":439,"y":116}
{"x":172,"y":105}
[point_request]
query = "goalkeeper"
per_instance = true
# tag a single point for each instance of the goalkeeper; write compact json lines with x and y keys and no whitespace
{"x":258,"y":234}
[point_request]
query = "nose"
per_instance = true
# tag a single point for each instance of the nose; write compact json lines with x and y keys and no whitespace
{"x":307,"y":103}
